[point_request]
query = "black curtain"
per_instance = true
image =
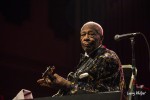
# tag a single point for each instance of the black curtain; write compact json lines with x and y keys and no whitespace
{"x":38,"y":33}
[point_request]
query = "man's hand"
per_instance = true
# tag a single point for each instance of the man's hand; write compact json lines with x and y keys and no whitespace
{"x":58,"y":81}
{"x":45,"y":82}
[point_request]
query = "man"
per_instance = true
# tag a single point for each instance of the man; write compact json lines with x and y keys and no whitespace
{"x":99,"y":69}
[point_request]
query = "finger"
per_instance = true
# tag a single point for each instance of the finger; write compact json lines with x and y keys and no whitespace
{"x":40,"y":81}
{"x":48,"y":81}
{"x":45,"y":84}
{"x":56,"y":75}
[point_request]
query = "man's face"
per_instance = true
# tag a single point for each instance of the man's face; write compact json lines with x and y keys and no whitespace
{"x":90,"y":38}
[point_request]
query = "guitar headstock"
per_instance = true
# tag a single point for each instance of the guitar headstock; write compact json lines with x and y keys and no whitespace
{"x":48,"y":71}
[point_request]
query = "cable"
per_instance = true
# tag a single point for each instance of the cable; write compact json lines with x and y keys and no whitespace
{"x":147,"y":47}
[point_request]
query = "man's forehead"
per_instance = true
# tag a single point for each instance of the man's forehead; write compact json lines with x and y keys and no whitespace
{"x":88,"y":27}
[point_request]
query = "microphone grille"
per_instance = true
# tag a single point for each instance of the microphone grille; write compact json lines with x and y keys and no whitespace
{"x":116,"y":37}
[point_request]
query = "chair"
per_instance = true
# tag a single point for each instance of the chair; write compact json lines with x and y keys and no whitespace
{"x":129,"y":79}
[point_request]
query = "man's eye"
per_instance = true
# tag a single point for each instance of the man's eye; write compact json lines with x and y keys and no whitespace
{"x":91,"y":33}
{"x":82,"y":34}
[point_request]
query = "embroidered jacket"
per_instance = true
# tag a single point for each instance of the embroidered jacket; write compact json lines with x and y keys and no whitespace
{"x":99,"y":72}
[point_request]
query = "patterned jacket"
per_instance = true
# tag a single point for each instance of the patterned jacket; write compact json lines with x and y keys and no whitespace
{"x":101,"y":71}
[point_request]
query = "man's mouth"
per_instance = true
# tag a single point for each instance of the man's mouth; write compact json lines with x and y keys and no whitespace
{"x":87,"y":44}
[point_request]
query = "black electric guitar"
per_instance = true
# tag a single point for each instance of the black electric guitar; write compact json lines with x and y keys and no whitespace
{"x":49,"y":73}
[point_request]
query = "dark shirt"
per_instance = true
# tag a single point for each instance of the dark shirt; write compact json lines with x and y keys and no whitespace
{"x":100,"y":72}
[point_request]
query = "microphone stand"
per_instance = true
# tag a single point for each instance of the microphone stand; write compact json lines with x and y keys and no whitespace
{"x":134,"y":70}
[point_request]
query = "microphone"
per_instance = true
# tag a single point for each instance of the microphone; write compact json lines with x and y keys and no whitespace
{"x":124,"y":36}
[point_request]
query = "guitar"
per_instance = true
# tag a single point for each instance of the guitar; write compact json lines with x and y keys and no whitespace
{"x":49,"y":73}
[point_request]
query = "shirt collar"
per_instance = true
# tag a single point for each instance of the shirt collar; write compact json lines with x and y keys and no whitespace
{"x":85,"y":54}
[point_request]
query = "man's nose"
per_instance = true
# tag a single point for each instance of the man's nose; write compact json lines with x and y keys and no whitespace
{"x":86,"y":37}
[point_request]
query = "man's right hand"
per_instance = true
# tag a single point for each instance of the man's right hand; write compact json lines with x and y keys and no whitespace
{"x":45,"y":82}
{"x":58,"y":81}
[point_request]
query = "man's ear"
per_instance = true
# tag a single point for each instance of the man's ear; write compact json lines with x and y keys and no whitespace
{"x":102,"y":38}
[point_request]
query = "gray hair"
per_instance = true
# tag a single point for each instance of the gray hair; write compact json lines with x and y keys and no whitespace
{"x":98,"y":26}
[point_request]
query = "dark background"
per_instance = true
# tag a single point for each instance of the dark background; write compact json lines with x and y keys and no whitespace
{"x":37,"y":33}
